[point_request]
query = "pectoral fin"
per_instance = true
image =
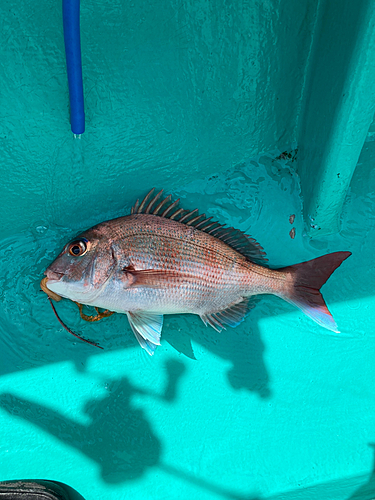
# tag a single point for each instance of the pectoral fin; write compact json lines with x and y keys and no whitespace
{"x":154,"y":278}
{"x":147,"y":328}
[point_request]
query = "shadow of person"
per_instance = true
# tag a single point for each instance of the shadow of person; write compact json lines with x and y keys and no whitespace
{"x":118,"y":438}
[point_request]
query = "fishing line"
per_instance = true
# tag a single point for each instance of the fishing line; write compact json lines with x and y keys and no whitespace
{"x":69,"y":330}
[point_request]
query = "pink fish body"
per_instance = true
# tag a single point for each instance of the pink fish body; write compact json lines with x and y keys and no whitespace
{"x":162,"y":260}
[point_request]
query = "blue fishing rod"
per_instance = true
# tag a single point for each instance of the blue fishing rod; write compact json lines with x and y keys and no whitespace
{"x":74,"y":64}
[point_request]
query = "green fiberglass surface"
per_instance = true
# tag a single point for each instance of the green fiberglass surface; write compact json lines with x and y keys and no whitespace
{"x":205,"y":106}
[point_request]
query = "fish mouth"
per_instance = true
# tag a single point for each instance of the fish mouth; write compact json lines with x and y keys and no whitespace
{"x":53,"y":276}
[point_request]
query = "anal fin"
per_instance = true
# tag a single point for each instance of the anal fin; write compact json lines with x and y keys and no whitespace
{"x":231,"y":316}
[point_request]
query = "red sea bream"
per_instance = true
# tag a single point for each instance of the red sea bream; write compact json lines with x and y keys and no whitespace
{"x":163,"y":260}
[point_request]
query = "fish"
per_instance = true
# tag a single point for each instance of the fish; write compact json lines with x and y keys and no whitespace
{"x":162,"y":259}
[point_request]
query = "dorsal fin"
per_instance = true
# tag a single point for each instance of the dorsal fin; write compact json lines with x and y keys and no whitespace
{"x":235,"y":238}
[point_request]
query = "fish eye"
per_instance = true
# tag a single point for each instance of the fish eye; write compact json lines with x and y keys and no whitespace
{"x":77,"y":248}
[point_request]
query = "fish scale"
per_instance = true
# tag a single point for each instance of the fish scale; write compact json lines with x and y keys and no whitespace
{"x":162,"y":260}
{"x":198,"y":258}
{"x":202,"y":256}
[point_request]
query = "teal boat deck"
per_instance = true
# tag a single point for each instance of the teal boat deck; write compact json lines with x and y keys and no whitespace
{"x":209,"y":103}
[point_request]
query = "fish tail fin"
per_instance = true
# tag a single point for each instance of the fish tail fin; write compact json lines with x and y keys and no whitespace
{"x":307,"y":279}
